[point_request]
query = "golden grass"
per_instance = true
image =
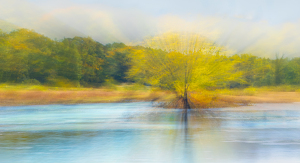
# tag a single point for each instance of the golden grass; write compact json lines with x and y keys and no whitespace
{"x":39,"y":95}
{"x":267,"y":97}
{"x":237,"y":97}
{"x":213,"y":99}
{"x":34,"y":97}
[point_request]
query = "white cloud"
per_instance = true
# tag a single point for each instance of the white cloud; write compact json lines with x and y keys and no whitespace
{"x":242,"y":32}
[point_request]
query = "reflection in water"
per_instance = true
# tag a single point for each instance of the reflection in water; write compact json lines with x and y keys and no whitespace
{"x":137,"y":132}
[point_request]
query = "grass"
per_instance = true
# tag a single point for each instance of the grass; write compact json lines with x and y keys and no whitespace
{"x":237,"y":97}
{"x":38,"y":95}
{"x":270,"y":94}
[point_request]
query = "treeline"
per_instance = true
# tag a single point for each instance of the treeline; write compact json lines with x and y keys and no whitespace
{"x":28,"y":57}
{"x":257,"y":71}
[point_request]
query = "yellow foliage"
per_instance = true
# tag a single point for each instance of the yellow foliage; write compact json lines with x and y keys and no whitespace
{"x":182,"y":62}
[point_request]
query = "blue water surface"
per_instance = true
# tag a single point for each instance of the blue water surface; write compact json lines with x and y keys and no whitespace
{"x":138,"y":132}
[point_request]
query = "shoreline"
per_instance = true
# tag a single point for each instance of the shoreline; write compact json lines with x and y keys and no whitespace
{"x":268,"y":97}
{"x":25,"y":97}
{"x":46,"y":97}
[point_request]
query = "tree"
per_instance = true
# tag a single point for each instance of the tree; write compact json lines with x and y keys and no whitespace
{"x":117,"y":61}
{"x":182,"y":63}
{"x":255,"y":71}
{"x":292,"y":71}
{"x":93,"y":57}
{"x":278,"y":66}
{"x":69,"y":65}
{"x":14,"y":56}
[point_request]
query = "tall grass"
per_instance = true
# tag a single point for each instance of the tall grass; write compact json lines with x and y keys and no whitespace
{"x":22,"y":94}
{"x":29,"y":94}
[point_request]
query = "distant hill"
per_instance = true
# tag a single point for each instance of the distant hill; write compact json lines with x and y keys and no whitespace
{"x":50,"y":28}
{"x":7,"y":27}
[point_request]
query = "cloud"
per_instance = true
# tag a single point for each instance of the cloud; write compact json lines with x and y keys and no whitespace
{"x":242,"y":36}
{"x":27,"y":15}
{"x":242,"y":32}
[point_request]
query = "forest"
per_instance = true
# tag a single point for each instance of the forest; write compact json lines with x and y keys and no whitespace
{"x":31,"y":58}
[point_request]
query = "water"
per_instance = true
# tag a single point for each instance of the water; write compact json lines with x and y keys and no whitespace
{"x":137,"y":132}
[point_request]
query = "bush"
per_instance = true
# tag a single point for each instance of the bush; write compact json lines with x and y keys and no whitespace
{"x":110,"y":84}
{"x":136,"y":87}
{"x":62,"y":82}
{"x":249,"y":91}
{"x":31,"y":82}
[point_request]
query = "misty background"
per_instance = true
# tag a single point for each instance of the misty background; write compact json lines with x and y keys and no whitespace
{"x":263,"y":28}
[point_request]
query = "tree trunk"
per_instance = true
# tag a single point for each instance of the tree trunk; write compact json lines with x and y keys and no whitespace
{"x":186,"y":104}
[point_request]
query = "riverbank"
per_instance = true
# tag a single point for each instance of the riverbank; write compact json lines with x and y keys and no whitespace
{"x":42,"y":95}
{"x":248,"y":96}
{"x":38,"y":97}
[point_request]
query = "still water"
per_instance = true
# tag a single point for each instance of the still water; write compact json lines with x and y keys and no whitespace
{"x":138,"y":132}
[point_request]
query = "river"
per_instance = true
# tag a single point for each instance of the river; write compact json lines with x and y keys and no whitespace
{"x":138,"y":132}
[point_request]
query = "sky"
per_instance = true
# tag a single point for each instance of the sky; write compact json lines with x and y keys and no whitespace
{"x":261,"y":27}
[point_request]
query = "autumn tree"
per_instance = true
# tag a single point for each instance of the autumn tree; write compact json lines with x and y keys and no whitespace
{"x":182,"y":63}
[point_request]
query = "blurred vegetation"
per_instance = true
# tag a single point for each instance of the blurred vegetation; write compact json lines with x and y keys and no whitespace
{"x":183,"y":65}
{"x":26,"y":56}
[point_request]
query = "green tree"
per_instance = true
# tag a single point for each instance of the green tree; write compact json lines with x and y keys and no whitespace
{"x":69,"y":65}
{"x":92,"y":57}
{"x":14,"y":57}
{"x":291,"y":71}
{"x":117,"y":61}
{"x":255,"y":71}
{"x":278,"y":67}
